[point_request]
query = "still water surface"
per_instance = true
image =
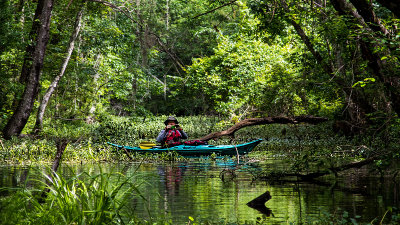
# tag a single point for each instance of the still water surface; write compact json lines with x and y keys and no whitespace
{"x":206,"y":191}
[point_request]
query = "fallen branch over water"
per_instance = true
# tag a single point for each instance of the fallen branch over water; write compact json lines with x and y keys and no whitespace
{"x":332,"y":170}
{"x":261,"y":121}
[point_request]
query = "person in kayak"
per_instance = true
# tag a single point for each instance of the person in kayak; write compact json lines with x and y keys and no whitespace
{"x":172,"y":134}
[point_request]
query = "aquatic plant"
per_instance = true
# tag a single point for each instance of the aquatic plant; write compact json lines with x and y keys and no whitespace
{"x":82,"y":199}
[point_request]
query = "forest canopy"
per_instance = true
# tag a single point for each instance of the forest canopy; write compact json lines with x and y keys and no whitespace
{"x":86,"y":59}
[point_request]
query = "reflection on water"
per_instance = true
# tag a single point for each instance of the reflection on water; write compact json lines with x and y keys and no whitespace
{"x":218,"y":192}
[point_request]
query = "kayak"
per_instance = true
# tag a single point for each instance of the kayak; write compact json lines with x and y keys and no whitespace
{"x":189,"y":150}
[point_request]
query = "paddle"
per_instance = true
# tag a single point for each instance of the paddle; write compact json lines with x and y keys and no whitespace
{"x":146,"y":145}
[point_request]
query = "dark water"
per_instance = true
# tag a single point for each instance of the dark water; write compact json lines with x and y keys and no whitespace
{"x":208,"y":191}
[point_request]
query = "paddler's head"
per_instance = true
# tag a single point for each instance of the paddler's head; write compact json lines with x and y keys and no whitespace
{"x":171,"y":122}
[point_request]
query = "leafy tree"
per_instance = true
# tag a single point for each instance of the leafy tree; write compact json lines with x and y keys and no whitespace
{"x":342,"y":50}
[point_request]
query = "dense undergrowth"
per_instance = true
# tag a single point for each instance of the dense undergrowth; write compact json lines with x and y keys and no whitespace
{"x":88,"y":142}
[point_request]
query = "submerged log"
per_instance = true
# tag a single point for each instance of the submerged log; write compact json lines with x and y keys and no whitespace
{"x":261,"y":121}
{"x":260,"y":200}
{"x":259,"y":203}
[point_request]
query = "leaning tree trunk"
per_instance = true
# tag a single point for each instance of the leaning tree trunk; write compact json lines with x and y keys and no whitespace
{"x":383,"y":70}
{"x":54,"y":84}
{"x":32,"y":71}
{"x":354,"y":99}
{"x":366,"y":10}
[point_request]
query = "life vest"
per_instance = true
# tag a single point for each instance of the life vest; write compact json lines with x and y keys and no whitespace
{"x":173,"y":138}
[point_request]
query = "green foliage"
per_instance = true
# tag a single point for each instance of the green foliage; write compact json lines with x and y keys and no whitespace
{"x":167,"y":57}
{"x":364,"y":82}
{"x":82,"y":199}
{"x":87,"y":142}
{"x":244,"y":75}
{"x":5,"y":17}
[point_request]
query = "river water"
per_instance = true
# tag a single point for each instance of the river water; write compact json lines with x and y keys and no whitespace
{"x":216,"y":191}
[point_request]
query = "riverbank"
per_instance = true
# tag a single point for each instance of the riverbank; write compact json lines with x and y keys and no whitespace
{"x":87,"y":142}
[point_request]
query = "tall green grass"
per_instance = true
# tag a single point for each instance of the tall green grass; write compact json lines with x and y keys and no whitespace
{"x":82,"y":199}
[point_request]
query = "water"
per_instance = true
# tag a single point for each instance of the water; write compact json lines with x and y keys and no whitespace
{"x":217,"y":192}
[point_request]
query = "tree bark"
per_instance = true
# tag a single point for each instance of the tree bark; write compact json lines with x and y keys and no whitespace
{"x":261,"y":121}
{"x":61,"y":145}
{"x":365,"y":9}
{"x":31,"y":70}
{"x":33,"y":42}
{"x":54,"y":84}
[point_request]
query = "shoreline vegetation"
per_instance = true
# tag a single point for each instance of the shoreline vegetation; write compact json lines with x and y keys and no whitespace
{"x":306,"y":146}
{"x":87,"y":142}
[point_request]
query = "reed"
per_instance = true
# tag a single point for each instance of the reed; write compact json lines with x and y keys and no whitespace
{"x":82,"y":199}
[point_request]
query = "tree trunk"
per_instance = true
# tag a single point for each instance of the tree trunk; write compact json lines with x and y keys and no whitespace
{"x":61,"y":145}
{"x":383,"y":70}
{"x":33,"y":44}
{"x":90,"y":117}
{"x":54,"y":84}
{"x":31,"y":70}
{"x":365,"y":9}
{"x":134,"y":90}
{"x":307,"y":41}
{"x":261,"y":121}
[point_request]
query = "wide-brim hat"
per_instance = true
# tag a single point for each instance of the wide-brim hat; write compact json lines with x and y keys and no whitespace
{"x":170,"y":118}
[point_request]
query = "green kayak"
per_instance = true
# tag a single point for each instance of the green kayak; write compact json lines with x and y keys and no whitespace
{"x":189,"y":150}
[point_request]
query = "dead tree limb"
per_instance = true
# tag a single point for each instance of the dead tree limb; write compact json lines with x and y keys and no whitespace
{"x":61,"y":145}
{"x":332,"y":170}
{"x":260,"y":200}
{"x":261,"y":121}
{"x":212,"y":10}
{"x":259,"y":203}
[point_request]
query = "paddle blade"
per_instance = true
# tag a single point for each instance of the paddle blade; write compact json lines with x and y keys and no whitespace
{"x":146,"y":145}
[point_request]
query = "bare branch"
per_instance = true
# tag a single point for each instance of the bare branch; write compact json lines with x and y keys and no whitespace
{"x":212,"y":10}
